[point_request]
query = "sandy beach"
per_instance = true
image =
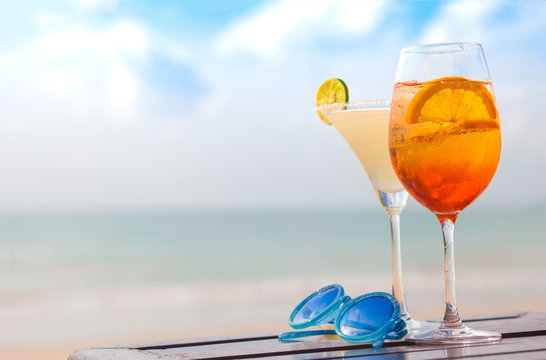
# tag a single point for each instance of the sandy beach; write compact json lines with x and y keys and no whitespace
{"x":54,"y":327}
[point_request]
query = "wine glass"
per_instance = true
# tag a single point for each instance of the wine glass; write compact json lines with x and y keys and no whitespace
{"x":445,"y":142}
{"x":365,"y":127}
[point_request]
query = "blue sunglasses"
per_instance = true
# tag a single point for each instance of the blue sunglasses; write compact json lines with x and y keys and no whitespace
{"x":369,"y":318}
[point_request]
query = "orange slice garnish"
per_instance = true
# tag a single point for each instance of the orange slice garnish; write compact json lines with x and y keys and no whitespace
{"x":454,"y":100}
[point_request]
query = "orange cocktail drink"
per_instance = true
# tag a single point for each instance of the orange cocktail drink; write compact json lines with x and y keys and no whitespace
{"x":444,"y":141}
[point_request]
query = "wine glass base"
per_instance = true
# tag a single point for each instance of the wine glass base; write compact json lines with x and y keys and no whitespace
{"x":449,"y":334}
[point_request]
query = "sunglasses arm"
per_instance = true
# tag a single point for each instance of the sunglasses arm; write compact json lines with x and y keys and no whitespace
{"x":297,"y":334}
{"x":379,"y":342}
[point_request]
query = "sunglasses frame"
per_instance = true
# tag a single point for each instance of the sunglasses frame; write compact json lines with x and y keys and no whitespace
{"x":394,"y":328}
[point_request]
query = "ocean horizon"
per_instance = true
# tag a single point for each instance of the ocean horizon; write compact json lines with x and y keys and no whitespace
{"x":63,"y":251}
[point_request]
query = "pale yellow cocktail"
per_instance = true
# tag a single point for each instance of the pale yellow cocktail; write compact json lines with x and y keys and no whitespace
{"x":366,"y":132}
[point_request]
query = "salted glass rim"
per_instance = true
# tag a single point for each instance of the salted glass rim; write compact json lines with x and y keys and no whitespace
{"x":439,"y":48}
{"x":355,"y":105}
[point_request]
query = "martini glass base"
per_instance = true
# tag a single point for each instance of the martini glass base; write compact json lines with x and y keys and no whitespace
{"x":452,"y":334}
{"x":418,"y":328}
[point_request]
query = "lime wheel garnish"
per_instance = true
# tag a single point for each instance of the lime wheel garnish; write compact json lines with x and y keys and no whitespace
{"x":330,"y":92}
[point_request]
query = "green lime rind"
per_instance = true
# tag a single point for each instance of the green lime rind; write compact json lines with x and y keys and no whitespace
{"x":331,"y":91}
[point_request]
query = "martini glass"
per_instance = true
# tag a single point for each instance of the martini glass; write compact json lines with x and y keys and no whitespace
{"x":364,"y":125}
{"x":444,"y":140}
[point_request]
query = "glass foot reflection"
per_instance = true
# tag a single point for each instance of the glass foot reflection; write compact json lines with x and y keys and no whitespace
{"x":457,"y":333}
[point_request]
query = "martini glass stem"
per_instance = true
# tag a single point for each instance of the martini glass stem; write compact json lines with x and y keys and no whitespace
{"x":394,"y":203}
{"x":451,"y":316}
{"x":397,"y":284}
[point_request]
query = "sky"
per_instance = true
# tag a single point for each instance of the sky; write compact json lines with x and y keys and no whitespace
{"x":171,"y":105}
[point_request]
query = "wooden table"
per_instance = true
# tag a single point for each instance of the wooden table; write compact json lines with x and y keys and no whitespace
{"x":524,"y":337}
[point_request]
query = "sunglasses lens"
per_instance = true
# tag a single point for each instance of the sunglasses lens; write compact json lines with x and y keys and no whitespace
{"x":316,"y":305}
{"x":366,"y":316}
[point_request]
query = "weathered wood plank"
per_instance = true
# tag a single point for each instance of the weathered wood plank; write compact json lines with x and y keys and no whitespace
{"x":530,"y":347}
{"x":535,"y":345}
{"x":524,"y":322}
{"x":515,"y":323}
{"x":197,"y":341}
{"x":405,"y":350}
{"x":516,"y":329}
{"x":114,"y":354}
{"x":531,"y":355}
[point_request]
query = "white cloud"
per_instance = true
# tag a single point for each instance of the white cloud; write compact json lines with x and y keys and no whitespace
{"x":461,"y":21}
{"x":124,"y":37}
{"x":46,"y":18}
{"x":98,"y":5}
{"x":284,"y":24}
{"x":92,"y":63}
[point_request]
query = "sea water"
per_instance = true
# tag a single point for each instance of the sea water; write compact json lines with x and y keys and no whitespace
{"x":69,"y":251}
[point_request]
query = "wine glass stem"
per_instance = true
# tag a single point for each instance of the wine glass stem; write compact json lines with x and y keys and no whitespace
{"x":397,"y":285}
{"x":451,"y":316}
